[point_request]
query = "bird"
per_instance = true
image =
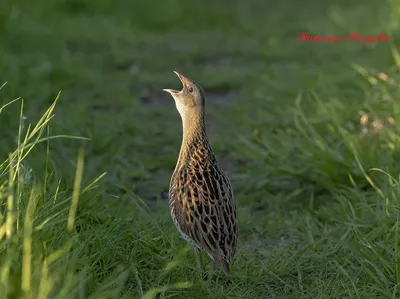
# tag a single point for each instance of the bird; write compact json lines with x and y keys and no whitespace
{"x":201,"y":199}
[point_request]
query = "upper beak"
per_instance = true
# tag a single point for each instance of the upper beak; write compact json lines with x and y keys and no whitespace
{"x":182,"y":78}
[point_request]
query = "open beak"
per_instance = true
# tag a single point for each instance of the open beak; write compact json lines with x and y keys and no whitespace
{"x":172,"y":91}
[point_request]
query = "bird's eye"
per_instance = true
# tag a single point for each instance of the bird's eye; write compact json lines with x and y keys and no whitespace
{"x":190,"y":89}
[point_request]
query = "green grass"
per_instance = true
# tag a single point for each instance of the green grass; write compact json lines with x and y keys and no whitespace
{"x":84,"y":173}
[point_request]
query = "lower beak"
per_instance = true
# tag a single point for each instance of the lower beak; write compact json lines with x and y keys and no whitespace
{"x":171,"y":91}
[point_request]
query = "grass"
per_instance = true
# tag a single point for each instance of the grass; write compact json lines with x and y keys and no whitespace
{"x":84,"y":172}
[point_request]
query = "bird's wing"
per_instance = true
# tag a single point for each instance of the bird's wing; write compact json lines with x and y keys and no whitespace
{"x":202,"y":203}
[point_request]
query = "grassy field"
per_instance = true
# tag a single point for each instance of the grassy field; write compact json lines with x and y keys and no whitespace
{"x":308,"y":132}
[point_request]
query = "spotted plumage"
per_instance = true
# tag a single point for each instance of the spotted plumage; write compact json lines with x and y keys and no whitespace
{"x":200,"y":196}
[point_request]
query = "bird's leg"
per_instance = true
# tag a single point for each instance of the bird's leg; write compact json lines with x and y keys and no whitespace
{"x":198,"y":257}
{"x":212,"y":266}
{"x":211,"y":271}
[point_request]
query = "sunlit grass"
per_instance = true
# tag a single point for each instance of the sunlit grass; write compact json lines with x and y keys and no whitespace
{"x":38,"y":230}
{"x":352,"y":240}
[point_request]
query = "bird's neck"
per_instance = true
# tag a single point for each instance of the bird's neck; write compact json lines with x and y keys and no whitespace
{"x":194,"y":137}
{"x":193,"y":126}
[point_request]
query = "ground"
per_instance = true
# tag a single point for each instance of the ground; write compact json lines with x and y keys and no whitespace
{"x":307,"y":131}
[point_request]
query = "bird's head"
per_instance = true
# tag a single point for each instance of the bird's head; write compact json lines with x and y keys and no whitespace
{"x":190,"y":99}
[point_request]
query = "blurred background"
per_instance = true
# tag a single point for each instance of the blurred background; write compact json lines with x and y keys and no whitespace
{"x":296,"y":125}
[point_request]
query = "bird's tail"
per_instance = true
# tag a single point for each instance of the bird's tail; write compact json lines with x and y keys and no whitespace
{"x":223,"y":264}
